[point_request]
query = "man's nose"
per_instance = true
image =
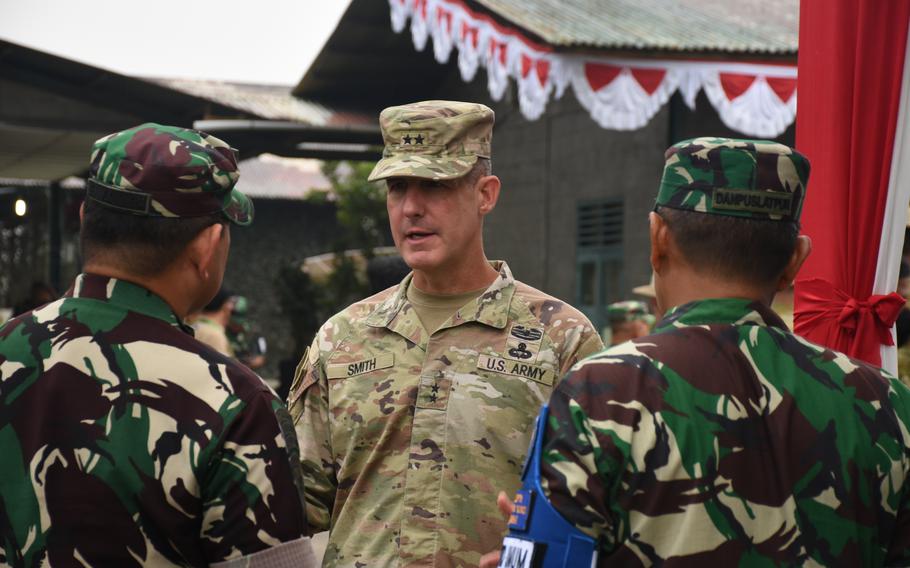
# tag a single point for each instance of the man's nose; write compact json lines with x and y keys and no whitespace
{"x":412,"y":205}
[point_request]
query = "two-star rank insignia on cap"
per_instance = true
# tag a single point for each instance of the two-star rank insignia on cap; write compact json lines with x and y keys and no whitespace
{"x":409,"y":140}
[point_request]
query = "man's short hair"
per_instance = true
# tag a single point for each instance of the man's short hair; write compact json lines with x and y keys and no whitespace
{"x":744,"y":250}
{"x":483,"y":167}
{"x":144,"y":246}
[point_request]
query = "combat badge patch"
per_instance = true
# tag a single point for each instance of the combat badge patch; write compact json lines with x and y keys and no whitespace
{"x":524,"y":343}
{"x":354,"y":368}
{"x":516,"y":369}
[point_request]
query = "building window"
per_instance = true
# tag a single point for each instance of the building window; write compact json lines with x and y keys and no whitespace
{"x":598,"y":257}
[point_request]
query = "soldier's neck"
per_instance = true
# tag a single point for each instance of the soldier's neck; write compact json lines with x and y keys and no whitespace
{"x":684,"y":286}
{"x":165,"y":285}
{"x":458,"y":280}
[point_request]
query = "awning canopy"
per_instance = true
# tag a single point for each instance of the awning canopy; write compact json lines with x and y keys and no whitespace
{"x":621,"y":93}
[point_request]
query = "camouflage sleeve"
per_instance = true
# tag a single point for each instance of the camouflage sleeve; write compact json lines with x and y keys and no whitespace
{"x":586,"y":342}
{"x":572,"y":464}
{"x":251,"y":491}
{"x":899,"y":550}
{"x":309,"y":407}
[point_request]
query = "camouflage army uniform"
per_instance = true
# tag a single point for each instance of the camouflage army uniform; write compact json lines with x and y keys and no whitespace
{"x":125,"y":441}
{"x":408,"y":437}
{"x":723,"y":439}
{"x":161,"y":451}
{"x":647,"y":439}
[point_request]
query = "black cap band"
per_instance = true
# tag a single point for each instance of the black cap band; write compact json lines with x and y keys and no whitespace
{"x":116,"y":198}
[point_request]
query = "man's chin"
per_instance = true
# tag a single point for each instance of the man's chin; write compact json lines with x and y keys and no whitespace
{"x":419,"y":260}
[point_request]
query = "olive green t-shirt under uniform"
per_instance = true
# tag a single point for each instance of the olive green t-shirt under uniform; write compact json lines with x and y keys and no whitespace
{"x":434,"y":309}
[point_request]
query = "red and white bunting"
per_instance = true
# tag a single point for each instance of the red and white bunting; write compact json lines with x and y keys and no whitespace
{"x":620,"y":94}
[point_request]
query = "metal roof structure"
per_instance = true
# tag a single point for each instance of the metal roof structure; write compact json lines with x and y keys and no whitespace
{"x":272,"y":102}
{"x":726,"y":26}
{"x":386,"y":68}
{"x":52,"y":109}
{"x":363,"y":65}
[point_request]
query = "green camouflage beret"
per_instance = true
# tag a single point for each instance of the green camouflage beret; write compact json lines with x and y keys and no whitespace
{"x":433,"y":139}
{"x":755,"y":179}
{"x":166,"y":171}
{"x":629,"y":310}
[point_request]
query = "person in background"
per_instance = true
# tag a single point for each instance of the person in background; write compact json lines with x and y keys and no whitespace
{"x":647,"y":292}
{"x":124,"y":440}
{"x":210,"y":324}
{"x":248,"y":348}
{"x":415,"y":405}
{"x":628,"y":319}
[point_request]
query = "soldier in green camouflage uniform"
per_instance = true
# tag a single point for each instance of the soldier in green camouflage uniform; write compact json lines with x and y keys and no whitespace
{"x":628,"y":319}
{"x":409,"y":429}
{"x":723,"y":439}
{"x":125,"y":441}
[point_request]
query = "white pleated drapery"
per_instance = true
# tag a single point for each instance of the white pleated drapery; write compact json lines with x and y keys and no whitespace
{"x":620,"y":94}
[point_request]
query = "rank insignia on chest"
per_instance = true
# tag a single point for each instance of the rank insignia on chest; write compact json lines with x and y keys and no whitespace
{"x":523,"y":343}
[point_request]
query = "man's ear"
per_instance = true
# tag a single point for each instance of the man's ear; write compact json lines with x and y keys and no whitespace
{"x":488,"y":189}
{"x":660,"y":240}
{"x":82,"y":213}
{"x":201,"y":249}
{"x":800,"y":254}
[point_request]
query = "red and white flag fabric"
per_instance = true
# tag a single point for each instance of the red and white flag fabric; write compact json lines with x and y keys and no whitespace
{"x":620,"y":94}
{"x":853,"y":126}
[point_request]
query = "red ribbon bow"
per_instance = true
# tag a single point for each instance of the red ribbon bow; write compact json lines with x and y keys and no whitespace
{"x":830,"y":316}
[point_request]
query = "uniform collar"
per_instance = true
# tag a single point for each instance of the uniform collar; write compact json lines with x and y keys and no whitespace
{"x":126,"y":295}
{"x":490,"y":308}
{"x":733,"y":311}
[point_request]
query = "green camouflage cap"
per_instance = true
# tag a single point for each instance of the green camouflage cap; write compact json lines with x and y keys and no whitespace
{"x":240,"y":307}
{"x":166,"y":171}
{"x":629,"y":310}
{"x":433,"y":139}
{"x":755,"y":179}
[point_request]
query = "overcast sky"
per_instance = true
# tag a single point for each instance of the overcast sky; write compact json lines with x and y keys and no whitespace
{"x":256,"y":41}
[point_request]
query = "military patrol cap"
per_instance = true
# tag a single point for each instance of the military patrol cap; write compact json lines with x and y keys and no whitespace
{"x":629,"y":310}
{"x":755,"y":179}
{"x":435,"y":140}
{"x":154,"y":170}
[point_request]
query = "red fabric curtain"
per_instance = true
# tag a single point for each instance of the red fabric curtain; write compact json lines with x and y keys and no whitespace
{"x":851,"y":62}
